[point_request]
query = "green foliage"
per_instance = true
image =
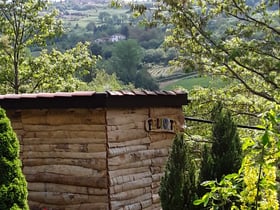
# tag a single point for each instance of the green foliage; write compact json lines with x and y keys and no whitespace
{"x":254,"y":186}
{"x":103,"y":82}
{"x":178,"y":185}
{"x":226,"y":147}
{"x":237,"y":52}
{"x":22,"y":25}
{"x":56,"y":71}
{"x":13,"y":186}
{"x":126,"y":56}
{"x":200,"y":81}
{"x":222,"y":157}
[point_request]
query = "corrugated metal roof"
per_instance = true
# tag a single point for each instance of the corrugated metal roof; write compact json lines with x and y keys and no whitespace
{"x":92,"y":99}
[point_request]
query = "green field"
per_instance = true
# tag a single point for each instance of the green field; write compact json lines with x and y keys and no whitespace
{"x":189,"y":83}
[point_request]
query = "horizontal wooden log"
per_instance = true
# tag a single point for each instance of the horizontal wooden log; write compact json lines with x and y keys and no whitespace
{"x":96,"y":163}
{"x":69,"y":134}
{"x":161,"y":136}
{"x":159,"y":161}
{"x":51,"y":187}
{"x":128,"y":126}
{"x":120,"y":136}
{"x":135,"y":141}
{"x":16,"y":125}
{"x":157,"y":177}
{"x":73,"y":155}
{"x":147,"y":205}
{"x":157,"y":169}
{"x":125,"y":119}
{"x":166,"y":143}
{"x":123,"y":150}
{"x":64,"y":140}
{"x":125,"y":195}
{"x":155,"y":186}
{"x":82,"y":206}
{"x":125,"y":116}
{"x":63,"y":117}
{"x":123,"y":172}
{"x":127,"y":111}
{"x":119,"y":180}
{"x":65,"y":198}
{"x":66,"y":147}
{"x":150,"y":208}
{"x":137,"y":156}
{"x":63,"y":170}
{"x":156,"y":198}
{"x":136,"y":164}
{"x":139,"y":183}
{"x":116,"y":205}
{"x":71,"y":127}
{"x":96,"y":182}
{"x":159,"y":112}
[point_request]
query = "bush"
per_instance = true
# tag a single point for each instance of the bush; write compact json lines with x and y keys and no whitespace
{"x":13,"y":186}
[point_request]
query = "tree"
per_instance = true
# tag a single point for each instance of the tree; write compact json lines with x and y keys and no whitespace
{"x":236,"y":52}
{"x":22,"y":25}
{"x":91,"y":27}
{"x":178,"y":185}
{"x":226,"y":146}
{"x":28,"y":23}
{"x":104,"y":16}
{"x":13,"y":186}
{"x":53,"y":71}
{"x":126,"y":56}
{"x":254,"y":186}
{"x":104,"y":82}
{"x":224,"y":156}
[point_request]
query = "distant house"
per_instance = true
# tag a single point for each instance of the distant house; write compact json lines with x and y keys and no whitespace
{"x":113,"y":38}
{"x":117,"y":37}
{"x":101,"y":40}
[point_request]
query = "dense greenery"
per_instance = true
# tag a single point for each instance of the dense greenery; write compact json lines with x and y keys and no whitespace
{"x":224,"y":156}
{"x":13,"y":186}
{"x":240,"y":43}
{"x":178,"y":185}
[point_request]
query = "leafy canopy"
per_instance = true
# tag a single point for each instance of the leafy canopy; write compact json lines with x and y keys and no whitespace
{"x":27,"y":23}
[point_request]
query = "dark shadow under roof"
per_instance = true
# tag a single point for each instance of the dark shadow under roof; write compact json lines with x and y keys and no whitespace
{"x":91,"y":99}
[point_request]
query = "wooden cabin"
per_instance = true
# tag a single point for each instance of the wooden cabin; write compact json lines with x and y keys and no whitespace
{"x":89,"y":150}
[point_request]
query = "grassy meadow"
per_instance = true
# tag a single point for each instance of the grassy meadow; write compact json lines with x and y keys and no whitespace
{"x":189,"y":83}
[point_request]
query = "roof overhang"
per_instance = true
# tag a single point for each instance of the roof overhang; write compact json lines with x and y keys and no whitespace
{"x":91,"y":99}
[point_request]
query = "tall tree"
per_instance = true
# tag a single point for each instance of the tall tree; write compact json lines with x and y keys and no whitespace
{"x":178,"y":185}
{"x":224,"y":156}
{"x":13,"y":186}
{"x":247,"y":47}
{"x":22,"y":25}
{"x":30,"y":23}
{"x":226,"y":147}
{"x":126,"y":56}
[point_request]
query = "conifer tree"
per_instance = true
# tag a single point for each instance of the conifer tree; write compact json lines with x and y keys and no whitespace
{"x":224,"y":156}
{"x":178,"y":185}
{"x":226,"y":147}
{"x":13,"y":186}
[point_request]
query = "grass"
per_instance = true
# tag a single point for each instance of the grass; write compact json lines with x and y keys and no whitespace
{"x":189,"y":83}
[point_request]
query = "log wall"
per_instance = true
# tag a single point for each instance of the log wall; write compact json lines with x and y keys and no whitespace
{"x":64,"y":157}
{"x":93,"y":158}
{"x":136,"y":158}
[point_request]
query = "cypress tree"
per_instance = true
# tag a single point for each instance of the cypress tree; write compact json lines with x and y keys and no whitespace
{"x":226,"y":147}
{"x":178,"y":185}
{"x":13,"y":186}
{"x":224,"y":156}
